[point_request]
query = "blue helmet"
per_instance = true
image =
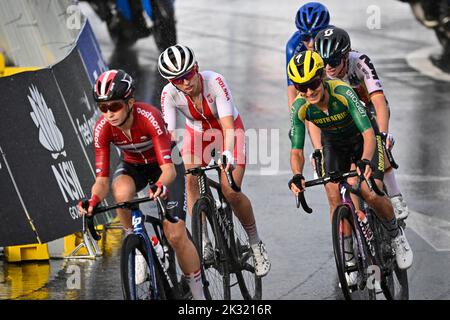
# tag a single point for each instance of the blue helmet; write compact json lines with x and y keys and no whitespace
{"x":312,"y":17}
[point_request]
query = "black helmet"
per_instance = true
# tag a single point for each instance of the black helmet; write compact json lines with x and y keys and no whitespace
{"x":113,"y":85}
{"x":332,"y":44}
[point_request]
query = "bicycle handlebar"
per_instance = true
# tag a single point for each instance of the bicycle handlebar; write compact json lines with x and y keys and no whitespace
{"x":122,"y":205}
{"x":337,"y":177}
{"x":200,"y":170}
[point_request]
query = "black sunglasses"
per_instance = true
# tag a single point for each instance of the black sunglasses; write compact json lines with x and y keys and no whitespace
{"x":333,"y":62}
{"x":313,"y":85}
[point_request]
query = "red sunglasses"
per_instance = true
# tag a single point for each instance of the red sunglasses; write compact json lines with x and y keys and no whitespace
{"x":313,"y":85}
{"x":187,"y":76}
{"x":111,"y":106}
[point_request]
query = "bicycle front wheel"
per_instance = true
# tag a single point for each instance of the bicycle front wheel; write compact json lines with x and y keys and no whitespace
{"x":137,"y":276}
{"x":249,"y":284}
{"x":212,"y":249}
{"x":356,"y":274}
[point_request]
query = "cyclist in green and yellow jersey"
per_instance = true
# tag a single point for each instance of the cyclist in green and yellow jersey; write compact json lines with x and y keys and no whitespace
{"x":347,"y":138}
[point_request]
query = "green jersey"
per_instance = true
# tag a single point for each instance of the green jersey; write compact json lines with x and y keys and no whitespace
{"x":345,"y":118}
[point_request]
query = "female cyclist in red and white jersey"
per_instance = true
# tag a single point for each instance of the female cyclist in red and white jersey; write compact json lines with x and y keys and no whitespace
{"x":212,"y":122}
{"x":138,"y":130}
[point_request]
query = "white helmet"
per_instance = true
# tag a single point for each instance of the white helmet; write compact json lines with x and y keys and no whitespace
{"x":175,"y":61}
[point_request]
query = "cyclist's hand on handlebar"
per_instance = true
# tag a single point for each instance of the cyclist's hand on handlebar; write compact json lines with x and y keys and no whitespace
{"x":228,"y":160}
{"x":389,"y":139}
{"x":93,"y":202}
{"x":297,"y":184}
{"x":158,"y":190}
{"x":364,"y":167}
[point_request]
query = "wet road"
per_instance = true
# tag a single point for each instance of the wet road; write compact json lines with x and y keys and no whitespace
{"x":245,"y":42}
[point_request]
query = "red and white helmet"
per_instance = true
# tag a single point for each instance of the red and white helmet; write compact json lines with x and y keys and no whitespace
{"x":113,"y":85}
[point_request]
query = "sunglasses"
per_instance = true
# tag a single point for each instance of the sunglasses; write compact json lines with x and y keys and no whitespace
{"x":333,"y":62}
{"x":313,"y":85}
{"x":111,"y":106}
{"x":187,"y":76}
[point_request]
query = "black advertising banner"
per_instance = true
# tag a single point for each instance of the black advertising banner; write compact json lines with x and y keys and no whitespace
{"x":47,"y":158}
{"x":15,"y":227}
{"x":76,"y":91}
{"x":43,"y":153}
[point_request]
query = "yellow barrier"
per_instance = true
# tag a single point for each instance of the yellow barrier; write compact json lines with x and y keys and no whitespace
{"x":9,"y":71}
{"x":27,"y":252}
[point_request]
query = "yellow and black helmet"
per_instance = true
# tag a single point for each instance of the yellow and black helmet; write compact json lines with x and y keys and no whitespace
{"x":304,"y":66}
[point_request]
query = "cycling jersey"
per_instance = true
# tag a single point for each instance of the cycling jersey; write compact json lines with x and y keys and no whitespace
{"x":346,"y":116}
{"x":150,"y":141}
{"x":217,"y":103}
{"x":293,"y":46}
{"x":203,"y":131}
{"x":362,"y":76}
{"x":341,"y":128}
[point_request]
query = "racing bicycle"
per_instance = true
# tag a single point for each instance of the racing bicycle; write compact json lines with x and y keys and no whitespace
{"x":222,"y":243}
{"x":159,"y":282}
{"x":378,"y":275}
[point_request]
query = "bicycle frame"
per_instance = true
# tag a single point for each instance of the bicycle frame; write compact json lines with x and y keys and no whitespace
{"x":223,"y":216}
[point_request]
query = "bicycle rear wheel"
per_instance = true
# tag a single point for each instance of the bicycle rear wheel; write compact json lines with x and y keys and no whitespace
{"x":249,"y":284}
{"x":132,"y":287}
{"x":215,"y":265}
{"x":394,"y":281}
{"x":360,"y":290}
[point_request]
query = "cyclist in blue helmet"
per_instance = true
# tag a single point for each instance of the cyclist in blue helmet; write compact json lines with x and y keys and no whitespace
{"x":310,"y":19}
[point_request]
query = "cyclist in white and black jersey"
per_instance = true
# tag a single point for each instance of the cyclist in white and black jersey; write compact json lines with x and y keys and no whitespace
{"x":334,"y":46}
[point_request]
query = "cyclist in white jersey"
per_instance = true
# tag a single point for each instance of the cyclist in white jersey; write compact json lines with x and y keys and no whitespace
{"x":334,"y":46}
{"x":212,"y":122}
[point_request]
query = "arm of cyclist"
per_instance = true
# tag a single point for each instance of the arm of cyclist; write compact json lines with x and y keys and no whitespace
{"x":163,"y":149}
{"x":169,"y":111}
{"x":99,"y":191}
{"x":368,"y":73}
{"x":297,"y":183}
{"x":362,"y":122}
{"x":227,"y":124}
{"x":168,"y":175}
{"x":316,"y":140}
{"x":382,"y":110}
{"x":368,"y":151}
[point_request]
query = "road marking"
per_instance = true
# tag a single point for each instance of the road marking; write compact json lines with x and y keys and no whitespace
{"x":421,"y":178}
{"x":433,"y":230}
{"x":420,"y":61}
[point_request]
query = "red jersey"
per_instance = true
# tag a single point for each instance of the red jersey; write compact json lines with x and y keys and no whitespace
{"x":150,"y":141}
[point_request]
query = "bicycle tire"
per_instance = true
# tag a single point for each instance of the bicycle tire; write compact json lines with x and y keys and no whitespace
{"x":363,"y":292}
{"x":250,"y":285}
{"x":218,"y":267}
{"x":145,"y":290}
{"x":394,"y":282}
{"x":165,"y":33}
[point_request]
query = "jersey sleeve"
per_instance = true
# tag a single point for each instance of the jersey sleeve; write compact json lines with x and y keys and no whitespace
{"x":291,"y":46}
{"x":101,"y":148}
{"x":168,"y":107}
{"x":297,"y":126}
{"x":355,"y":107}
{"x":366,"y":70}
{"x":160,"y":137}
{"x":224,"y":100}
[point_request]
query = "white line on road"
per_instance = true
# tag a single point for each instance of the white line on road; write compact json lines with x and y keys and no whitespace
{"x":420,"y":60}
{"x":434,"y":231}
